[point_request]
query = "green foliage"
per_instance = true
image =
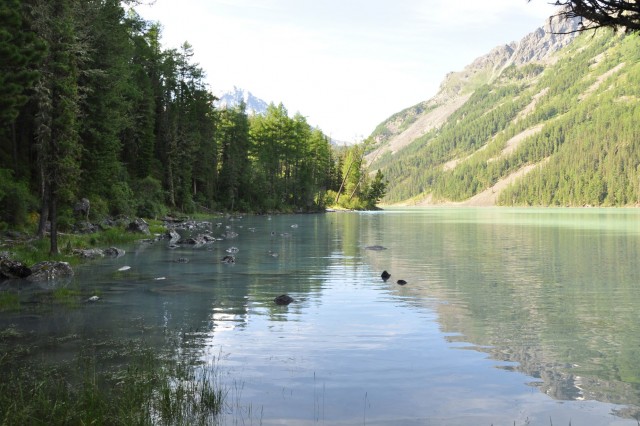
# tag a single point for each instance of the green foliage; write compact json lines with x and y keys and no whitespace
{"x":15,"y":200}
{"x":357,"y":191}
{"x":121,"y":200}
{"x":150,"y":198}
{"x":20,"y":51}
{"x":586,"y":144}
{"x":97,"y":108}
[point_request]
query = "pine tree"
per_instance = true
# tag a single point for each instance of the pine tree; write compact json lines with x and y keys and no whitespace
{"x":57,"y":95}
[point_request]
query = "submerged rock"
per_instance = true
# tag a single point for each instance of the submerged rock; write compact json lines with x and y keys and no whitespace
{"x":375,"y":248}
{"x":229,"y":259}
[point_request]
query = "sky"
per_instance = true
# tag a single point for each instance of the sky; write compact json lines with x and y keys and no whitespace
{"x":346,"y":65}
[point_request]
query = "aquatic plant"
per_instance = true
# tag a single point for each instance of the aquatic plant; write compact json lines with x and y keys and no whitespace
{"x":147,"y":389}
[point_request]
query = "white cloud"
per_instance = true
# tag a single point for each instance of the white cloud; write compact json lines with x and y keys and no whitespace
{"x":345,"y":64}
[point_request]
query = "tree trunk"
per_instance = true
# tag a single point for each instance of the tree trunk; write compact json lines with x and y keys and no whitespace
{"x":44,"y":207}
{"x":344,"y":180}
{"x":53,"y":216}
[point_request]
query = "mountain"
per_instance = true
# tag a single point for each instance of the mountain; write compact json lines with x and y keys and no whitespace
{"x":548,"y":120}
{"x":255,"y":105}
{"x":235,"y":96}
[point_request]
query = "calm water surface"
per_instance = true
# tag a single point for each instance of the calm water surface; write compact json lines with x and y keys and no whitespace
{"x":529,"y":316}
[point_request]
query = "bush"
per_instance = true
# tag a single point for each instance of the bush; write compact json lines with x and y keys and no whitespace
{"x":99,"y":208}
{"x":150,"y":198}
{"x":121,"y":199}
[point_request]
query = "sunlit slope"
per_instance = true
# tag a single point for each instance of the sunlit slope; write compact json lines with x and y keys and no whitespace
{"x":551,"y":122}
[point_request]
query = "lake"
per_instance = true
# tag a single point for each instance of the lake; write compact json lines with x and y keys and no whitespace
{"x":508,"y":316}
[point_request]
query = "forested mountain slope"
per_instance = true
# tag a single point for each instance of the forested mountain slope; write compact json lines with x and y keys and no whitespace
{"x":551,"y":120}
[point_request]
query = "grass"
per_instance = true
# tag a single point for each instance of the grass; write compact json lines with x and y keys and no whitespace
{"x":69,"y":297}
{"x":9,"y":301}
{"x":35,"y":250}
{"x":146,"y":389}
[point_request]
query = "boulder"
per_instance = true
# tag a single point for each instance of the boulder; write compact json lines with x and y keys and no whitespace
{"x":139,"y":226}
{"x":85,"y":227}
{"x":199,"y":239}
{"x":81,"y":208}
{"x":229,"y":260}
{"x":114,"y":252}
{"x":173,"y":236}
{"x":89,"y":253}
{"x":13,"y":269}
{"x":50,"y":270}
{"x":195,"y":240}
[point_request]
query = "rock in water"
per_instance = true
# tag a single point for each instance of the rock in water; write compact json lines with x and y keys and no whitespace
{"x":385,"y":275}
{"x":283,"y":299}
{"x":230,"y":260}
{"x":50,"y":270}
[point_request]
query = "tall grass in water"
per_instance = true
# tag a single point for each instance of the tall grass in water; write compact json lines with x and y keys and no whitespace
{"x":148,"y":390}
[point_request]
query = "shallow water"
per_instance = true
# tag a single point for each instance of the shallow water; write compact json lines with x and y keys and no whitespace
{"x":508,"y":315}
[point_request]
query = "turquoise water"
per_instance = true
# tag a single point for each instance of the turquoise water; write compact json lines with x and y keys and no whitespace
{"x":508,"y":315}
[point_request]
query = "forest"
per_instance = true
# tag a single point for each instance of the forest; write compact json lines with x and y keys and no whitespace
{"x":587,"y":149}
{"x":92,"y":106}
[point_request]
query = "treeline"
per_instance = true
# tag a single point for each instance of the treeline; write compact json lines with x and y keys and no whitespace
{"x":587,"y":151}
{"x":92,"y":106}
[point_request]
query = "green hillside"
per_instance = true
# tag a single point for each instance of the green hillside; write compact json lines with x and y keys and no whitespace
{"x":561,"y":132}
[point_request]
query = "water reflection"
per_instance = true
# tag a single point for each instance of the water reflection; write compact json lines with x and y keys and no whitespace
{"x":553,"y":292}
{"x":505,"y":312}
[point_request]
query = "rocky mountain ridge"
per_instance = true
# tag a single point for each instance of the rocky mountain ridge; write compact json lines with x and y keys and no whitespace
{"x":478,"y":127}
{"x":538,"y":46}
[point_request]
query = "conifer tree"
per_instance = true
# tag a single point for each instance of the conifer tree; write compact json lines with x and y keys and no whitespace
{"x":57,"y":126}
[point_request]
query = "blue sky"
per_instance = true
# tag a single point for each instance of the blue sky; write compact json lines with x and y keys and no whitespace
{"x":346,"y":65}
